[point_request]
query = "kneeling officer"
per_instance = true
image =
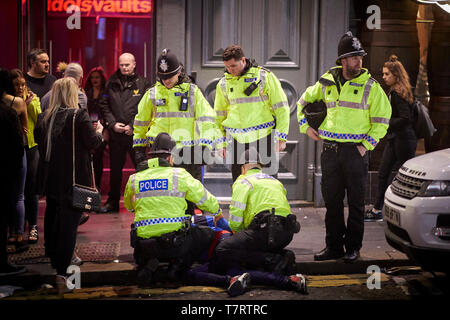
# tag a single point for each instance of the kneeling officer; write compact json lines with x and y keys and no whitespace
{"x":161,"y":231}
{"x":261,"y":218}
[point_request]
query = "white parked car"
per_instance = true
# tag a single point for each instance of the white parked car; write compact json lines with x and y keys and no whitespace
{"x":417,"y":210}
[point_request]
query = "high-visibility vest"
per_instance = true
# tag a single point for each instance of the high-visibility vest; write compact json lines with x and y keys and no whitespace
{"x":359,"y":112}
{"x":253,"y":193}
{"x":157,"y":196}
{"x":159,"y":111}
{"x":250,"y":118}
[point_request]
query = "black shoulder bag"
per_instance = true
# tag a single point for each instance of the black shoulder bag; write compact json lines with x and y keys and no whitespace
{"x":83,"y":197}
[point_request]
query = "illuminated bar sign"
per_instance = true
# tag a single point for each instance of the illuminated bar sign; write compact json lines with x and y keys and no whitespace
{"x":102,"y":8}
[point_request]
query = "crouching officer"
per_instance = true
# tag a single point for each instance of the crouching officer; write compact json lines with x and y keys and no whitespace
{"x":161,"y":231}
{"x":261,"y":219}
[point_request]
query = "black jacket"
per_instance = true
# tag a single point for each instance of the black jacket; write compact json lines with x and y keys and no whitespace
{"x":121,"y":98}
{"x":402,"y":118}
{"x":55,"y":178}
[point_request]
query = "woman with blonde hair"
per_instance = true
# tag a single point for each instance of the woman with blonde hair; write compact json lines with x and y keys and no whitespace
{"x":401,"y":138}
{"x":54,"y":137}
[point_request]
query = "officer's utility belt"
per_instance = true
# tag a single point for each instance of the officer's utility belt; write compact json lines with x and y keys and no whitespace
{"x":334,"y":145}
{"x":173,"y":238}
{"x":268,"y":219}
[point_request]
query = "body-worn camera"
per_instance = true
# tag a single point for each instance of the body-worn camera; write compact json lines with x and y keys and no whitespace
{"x":184,"y":102}
{"x":248,"y":91}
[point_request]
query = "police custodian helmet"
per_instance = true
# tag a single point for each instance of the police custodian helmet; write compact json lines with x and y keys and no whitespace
{"x":163,"y":144}
{"x":315,"y":113}
{"x":349,"y":46}
{"x":168,"y":65}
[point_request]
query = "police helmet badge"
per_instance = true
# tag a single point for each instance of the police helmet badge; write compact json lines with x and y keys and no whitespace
{"x":356,"y":44}
{"x":163,"y":65}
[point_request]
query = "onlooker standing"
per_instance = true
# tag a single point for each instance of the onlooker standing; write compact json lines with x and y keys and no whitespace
{"x":401,"y":138}
{"x":11,"y":140}
{"x":119,"y":106}
{"x":17,"y":220}
{"x":61,"y":219}
{"x":358,"y":113}
{"x":32,"y":153}
{"x":75,"y":71}
{"x":94,"y":88}
{"x":38,"y":78}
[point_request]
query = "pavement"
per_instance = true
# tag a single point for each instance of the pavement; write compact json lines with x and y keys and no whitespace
{"x":115,"y":227}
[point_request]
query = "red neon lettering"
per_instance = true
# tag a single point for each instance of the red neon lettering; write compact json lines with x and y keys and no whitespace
{"x":99,"y":6}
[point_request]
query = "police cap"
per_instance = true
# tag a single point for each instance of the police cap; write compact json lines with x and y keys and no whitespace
{"x":168,"y":65}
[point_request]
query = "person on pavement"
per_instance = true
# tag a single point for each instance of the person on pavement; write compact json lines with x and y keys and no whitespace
{"x":119,"y":106}
{"x":261,"y":220}
{"x":357,"y":117}
{"x":161,"y":231}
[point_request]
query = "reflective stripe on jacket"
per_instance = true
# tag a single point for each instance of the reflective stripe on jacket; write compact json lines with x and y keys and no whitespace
{"x":253,"y":193}
{"x":159,"y":111}
{"x":249,"y":118}
{"x":359,"y":113}
{"x":157,"y":196}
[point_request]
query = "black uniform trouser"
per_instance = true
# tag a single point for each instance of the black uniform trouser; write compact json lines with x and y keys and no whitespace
{"x":396,"y":152}
{"x":263,"y":146}
{"x":186,"y":252}
{"x":97,"y":161}
{"x":250,"y":247}
{"x":344,"y":169}
{"x":60,"y":233}
{"x":119,"y":146}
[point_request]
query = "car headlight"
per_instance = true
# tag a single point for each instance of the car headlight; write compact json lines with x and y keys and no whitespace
{"x":435,"y":189}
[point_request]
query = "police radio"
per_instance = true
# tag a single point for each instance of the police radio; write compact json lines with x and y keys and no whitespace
{"x":184,"y":102}
{"x":251,"y":88}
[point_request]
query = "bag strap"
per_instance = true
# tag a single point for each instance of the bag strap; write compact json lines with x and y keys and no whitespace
{"x":73,"y":154}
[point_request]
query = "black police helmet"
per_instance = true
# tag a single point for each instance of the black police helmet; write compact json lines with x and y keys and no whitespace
{"x":163,"y":144}
{"x":315,"y":113}
{"x":168,"y":65}
{"x":349,"y":46}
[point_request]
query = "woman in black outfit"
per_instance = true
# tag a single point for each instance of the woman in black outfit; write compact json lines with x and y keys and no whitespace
{"x":61,"y":219}
{"x":401,"y":138}
{"x":94,"y":88}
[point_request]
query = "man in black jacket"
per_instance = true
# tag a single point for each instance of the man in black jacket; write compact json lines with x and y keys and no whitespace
{"x":119,"y":106}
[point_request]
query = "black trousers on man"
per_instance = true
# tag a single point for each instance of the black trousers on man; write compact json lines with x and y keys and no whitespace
{"x":119,"y":145}
{"x":344,"y":169}
{"x":263,"y":146}
{"x":250,"y":249}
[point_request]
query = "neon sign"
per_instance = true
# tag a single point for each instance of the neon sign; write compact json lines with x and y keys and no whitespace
{"x":103,"y":8}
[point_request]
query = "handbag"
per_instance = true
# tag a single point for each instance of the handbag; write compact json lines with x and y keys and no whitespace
{"x":84,"y":197}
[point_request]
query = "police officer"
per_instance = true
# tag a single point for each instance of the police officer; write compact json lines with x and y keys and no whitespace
{"x":161,"y":231}
{"x":261,"y":220}
{"x":251,"y":107}
{"x":358,"y":113}
{"x":178,"y":107}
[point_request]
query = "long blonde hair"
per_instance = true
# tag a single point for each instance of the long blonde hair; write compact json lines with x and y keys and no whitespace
{"x":402,"y":85}
{"x":64,"y":93}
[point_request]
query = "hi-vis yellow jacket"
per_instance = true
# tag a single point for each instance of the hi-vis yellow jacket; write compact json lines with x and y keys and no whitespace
{"x":250,"y":118}
{"x":253,"y":193}
{"x":159,"y":111}
{"x":157,"y":197}
{"x":359,"y":113}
